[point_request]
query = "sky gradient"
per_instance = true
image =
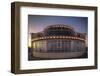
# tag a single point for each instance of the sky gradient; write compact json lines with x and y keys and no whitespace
{"x":37,"y":23}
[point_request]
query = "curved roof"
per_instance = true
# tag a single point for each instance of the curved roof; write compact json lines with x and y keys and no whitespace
{"x":60,"y":25}
{"x":58,"y":29}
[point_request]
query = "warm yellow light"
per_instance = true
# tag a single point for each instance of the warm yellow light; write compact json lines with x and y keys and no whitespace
{"x":54,"y":37}
{"x":29,"y":41}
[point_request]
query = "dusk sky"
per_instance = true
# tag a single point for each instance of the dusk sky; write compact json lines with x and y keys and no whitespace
{"x":37,"y":23}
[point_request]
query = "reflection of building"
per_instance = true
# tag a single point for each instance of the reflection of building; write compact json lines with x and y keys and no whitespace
{"x":58,"y":41}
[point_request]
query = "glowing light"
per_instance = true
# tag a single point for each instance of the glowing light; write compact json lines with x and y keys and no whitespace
{"x":50,"y":37}
{"x":54,"y":37}
{"x":29,"y":41}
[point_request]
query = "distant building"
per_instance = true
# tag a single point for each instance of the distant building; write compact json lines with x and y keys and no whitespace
{"x":58,"y":41}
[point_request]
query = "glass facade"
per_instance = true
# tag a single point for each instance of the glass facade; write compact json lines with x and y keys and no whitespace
{"x":58,"y":45}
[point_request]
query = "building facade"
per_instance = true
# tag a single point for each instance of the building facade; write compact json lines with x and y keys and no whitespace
{"x":58,"y":41}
